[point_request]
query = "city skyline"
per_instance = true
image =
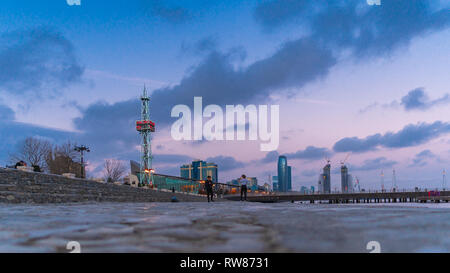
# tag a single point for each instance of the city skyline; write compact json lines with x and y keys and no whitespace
{"x":381,"y":97}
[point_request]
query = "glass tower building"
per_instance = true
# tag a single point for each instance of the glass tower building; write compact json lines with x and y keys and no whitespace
{"x":283,"y":174}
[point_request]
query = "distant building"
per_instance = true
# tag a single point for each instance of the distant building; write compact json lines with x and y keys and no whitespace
{"x":304,"y":190}
{"x":313,"y":190}
{"x":253,"y":183}
{"x":275,"y":183}
{"x":324,"y":184}
{"x":199,"y":170}
{"x":289,"y":186}
{"x":283,"y":174}
{"x":346,"y":180}
{"x":266,"y":187}
{"x":135,"y":168}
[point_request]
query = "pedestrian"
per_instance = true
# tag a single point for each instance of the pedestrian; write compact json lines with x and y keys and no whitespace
{"x":37,"y":169}
{"x":209,"y":188}
{"x":21,"y":163}
{"x":243,"y":181}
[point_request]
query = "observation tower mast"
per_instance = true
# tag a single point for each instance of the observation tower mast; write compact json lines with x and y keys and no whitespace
{"x":145,"y":127}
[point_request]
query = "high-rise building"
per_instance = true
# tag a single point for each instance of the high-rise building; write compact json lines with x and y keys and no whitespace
{"x":289,"y":187}
{"x":275,"y":183}
{"x":199,"y":170}
{"x":324,"y":185}
{"x":283,"y":175}
{"x":253,"y":183}
{"x":304,"y":190}
{"x":346,"y":180}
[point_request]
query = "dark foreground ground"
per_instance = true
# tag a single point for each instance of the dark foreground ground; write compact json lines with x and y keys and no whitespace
{"x":224,"y":227}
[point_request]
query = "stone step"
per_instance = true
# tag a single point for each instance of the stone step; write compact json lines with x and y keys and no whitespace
{"x":22,"y":187}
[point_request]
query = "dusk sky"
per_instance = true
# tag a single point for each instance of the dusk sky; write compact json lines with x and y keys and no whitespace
{"x":349,"y":77}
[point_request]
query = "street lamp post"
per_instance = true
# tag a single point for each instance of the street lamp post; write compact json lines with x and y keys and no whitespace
{"x":81,"y":149}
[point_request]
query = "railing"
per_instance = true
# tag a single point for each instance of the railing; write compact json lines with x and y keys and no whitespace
{"x":366,"y":191}
{"x":179,"y":184}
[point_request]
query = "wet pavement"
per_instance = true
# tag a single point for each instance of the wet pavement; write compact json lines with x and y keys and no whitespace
{"x":224,"y":227}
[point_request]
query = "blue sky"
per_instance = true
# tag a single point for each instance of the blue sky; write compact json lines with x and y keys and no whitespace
{"x":349,"y":77}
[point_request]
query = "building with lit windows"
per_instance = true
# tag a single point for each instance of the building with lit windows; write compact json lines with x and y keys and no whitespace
{"x":284,"y":175}
{"x":199,"y":170}
{"x":275,"y":183}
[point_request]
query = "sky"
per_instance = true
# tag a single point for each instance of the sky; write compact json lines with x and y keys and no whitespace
{"x":350,"y":78}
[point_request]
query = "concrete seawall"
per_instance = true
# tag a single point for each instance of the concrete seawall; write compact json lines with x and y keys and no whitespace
{"x":23,"y":187}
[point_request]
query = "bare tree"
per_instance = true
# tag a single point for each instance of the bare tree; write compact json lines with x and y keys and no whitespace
{"x":33,"y":151}
{"x":114,"y":170}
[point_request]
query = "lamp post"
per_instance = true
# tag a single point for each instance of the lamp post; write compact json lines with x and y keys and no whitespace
{"x":81,"y":149}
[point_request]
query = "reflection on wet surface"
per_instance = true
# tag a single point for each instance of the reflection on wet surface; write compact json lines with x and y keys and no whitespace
{"x":224,"y":227}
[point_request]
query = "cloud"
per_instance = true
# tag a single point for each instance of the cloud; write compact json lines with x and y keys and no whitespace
{"x":110,"y":127}
{"x":6,"y":113}
{"x":310,"y":173}
{"x":411,"y":135}
{"x":171,"y":158}
{"x":174,"y":15}
{"x":203,"y":46}
{"x":37,"y":60}
{"x":273,"y":14}
{"x":367,"y":30}
{"x":310,"y":153}
{"x":421,"y":158}
{"x":226,"y":163}
{"x":417,"y":99}
{"x":12,"y":133}
{"x":270,"y":157}
{"x":374,"y":164}
{"x":218,"y":82}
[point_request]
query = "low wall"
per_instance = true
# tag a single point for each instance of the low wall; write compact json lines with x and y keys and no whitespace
{"x":25,"y":187}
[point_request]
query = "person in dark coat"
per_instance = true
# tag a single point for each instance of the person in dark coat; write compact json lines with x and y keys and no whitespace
{"x":36,"y":169}
{"x":209,"y":189}
{"x":20,"y":164}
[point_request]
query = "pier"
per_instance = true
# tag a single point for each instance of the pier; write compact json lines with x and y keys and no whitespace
{"x":344,"y":198}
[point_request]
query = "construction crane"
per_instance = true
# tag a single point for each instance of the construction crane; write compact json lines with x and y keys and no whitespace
{"x":327,"y":159}
{"x":345,"y":160}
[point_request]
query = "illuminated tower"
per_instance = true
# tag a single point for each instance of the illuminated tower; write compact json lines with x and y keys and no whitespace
{"x":145,"y":127}
{"x":382,"y":181}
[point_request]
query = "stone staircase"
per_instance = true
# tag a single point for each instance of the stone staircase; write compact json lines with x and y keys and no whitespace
{"x":27,"y":187}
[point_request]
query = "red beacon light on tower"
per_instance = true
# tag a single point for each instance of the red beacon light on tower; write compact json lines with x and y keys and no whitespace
{"x":145,"y":125}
